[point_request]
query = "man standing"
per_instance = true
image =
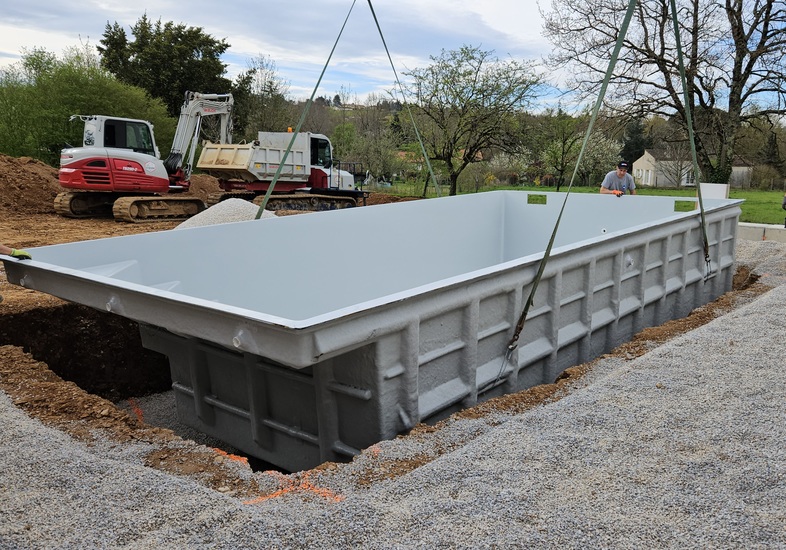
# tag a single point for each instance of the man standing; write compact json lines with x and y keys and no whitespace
{"x":618,"y":181}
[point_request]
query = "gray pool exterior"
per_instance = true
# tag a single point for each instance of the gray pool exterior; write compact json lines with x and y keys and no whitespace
{"x":304,"y":339}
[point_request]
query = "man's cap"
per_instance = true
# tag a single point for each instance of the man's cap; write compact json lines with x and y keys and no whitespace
{"x":624,"y":165}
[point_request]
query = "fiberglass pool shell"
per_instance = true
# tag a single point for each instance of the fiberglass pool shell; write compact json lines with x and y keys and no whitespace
{"x":390,"y":314}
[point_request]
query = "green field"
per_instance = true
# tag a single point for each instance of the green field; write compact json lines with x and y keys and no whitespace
{"x":759,"y":206}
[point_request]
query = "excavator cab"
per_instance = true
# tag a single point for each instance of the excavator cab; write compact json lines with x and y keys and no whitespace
{"x":118,"y":133}
{"x":128,"y":134}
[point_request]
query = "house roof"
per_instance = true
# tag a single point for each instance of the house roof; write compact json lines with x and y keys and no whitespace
{"x":664,"y":155}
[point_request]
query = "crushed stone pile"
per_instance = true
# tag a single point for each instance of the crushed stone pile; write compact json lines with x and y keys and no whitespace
{"x":226,"y":211}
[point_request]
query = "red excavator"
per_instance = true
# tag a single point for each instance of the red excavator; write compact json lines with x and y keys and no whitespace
{"x":119,"y":171}
{"x":118,"y":168}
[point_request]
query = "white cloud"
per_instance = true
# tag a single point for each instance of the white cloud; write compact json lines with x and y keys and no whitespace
{"x":298,"y":34}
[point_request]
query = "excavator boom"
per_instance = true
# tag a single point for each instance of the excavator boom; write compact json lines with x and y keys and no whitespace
{"x":196,"y":106}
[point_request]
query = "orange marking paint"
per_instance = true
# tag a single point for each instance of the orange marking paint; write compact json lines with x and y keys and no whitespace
{"x":302,"y":485}
{"x":374,"y":450}
{"x":136,"y":409}
{"x":236,"y":458}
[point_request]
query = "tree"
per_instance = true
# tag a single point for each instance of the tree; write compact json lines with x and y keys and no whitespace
{"x":39,"y":94}
{"x":636,"y":141}
{"x":166,"y":60}
{"x":772,"y":154}
{"x":465,"y":102}
{"x":261,"y":102}
{"x":344,"y":100}
{"x":767,"y":177}
{"x":319,"y":118}
{"x":733,"y":52}
{"x":344,"y":138}
{"x":375,"y":145}
{"x":601,"y":154}
{"x":510,"y":169}
{"x":563,"y":135}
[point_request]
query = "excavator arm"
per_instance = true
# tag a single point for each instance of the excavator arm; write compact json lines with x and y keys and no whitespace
{"x":196,"y":106}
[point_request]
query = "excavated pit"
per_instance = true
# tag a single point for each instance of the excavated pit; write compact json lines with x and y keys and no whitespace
{"x":71,"y":353}
{"x":103,"y":355}
{"x":99,"y":352}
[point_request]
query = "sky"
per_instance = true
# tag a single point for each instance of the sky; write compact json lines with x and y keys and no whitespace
{"x":297,"y":35}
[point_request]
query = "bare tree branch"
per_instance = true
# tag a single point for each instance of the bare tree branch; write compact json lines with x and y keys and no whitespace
{"x":733,"y":52}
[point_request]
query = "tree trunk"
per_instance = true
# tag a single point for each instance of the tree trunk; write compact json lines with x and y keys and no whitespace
{"x":453,"y":183}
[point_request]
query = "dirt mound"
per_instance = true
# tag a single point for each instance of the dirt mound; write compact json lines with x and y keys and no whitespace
{"x":29,"y":186}
{"x":203,"y":185}
{"x":384,"y":198}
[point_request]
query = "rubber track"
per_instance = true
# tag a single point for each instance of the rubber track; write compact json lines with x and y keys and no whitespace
{"x":64,"y":206}
{"x":306,"y":202}
{"x":215,"y":198}
{"x":295,"y":201}
{"x":153,"y":209}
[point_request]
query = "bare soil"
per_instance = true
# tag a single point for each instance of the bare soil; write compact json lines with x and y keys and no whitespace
{"x":67,"y":364}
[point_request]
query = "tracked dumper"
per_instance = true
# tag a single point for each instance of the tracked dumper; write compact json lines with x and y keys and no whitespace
{"x":308,"y":179}
{"x":118,"y":171}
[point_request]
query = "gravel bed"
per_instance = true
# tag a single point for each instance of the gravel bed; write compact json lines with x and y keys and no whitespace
{"x":684,"y":446}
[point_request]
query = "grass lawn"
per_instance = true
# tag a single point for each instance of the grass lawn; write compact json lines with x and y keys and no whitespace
{"x":759,"y":206}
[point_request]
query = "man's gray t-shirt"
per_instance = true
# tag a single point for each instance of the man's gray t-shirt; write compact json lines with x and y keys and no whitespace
{"x":614,"y":183}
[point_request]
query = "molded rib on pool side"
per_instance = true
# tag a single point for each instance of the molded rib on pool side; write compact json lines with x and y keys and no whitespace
{"x":113,"y":269}
{"x":128,"y":270}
